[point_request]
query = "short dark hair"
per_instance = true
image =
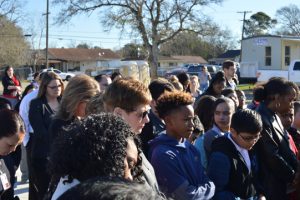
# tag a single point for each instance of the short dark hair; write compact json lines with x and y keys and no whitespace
{"x":223,"y":100}
{"x":258,"y":93}
{"x":183,"y":77}
{"x":227,"y":64}
{"x":158,"y":86}
{"x":99,"y":77}
{"x":218,"y":78}
{"x":95,"y":146}
{"x":109,"y":189}
{"x":227,"y":91}
{"x":275,"y":86}
{"x":4,"y":104}
{"x":246,"y":120}
{"x":11,"y":123}
{"x":114,"y":75}
{"x":198,"y":128}
{"x":204,"y":110}
{"x":170,"y":101}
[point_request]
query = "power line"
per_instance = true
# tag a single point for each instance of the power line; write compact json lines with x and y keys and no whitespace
{"x":91,"y":37}
{"x":244,"y":12}
{"x":84,"y":40}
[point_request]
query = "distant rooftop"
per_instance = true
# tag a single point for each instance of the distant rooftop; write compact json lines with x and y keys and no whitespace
{"x":230,"y":54}
{"x":276,"y":36}
{"x":80,"y":54}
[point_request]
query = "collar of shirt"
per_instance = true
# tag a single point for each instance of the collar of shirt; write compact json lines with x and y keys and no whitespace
{"x":243,"y":152}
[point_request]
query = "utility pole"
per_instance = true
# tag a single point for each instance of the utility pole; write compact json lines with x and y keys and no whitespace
{"x":243,"y":29}
{"x":47,"y":33}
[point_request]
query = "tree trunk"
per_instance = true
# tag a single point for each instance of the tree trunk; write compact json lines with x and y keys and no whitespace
{"x":153,"y":60}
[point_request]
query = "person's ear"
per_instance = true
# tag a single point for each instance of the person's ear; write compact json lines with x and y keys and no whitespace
{"x":276,"y":97}
{"x":168,"y":120}
{"x":153,"y":103}
{"x":233,"y":132}
{"x":118,"y":111}
{"x":81,"y":109}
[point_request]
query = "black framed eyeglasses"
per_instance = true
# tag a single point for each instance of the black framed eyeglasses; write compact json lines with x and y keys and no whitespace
{"x":143,"y":115}
{"x":250,"y":138}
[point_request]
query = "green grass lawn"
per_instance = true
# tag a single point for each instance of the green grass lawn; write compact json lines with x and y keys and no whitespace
{"x":246,"y":86}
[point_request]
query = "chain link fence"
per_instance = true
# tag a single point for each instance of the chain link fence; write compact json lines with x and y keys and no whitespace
{"x":21,"y":72}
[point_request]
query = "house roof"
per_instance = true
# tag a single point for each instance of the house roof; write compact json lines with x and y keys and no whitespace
{"x":78,"y":54}
{"x":288,"y":37}
{"x":230,"y":54}
{"x":191,"y":59}
{"x":168,"y":58}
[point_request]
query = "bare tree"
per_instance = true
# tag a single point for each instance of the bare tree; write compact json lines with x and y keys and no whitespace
{"x":188,"y":43}
{"x":289,"y":18}
{"x":12,"y":9}
{"x":13,"y":46}
{"x":155,"y":21}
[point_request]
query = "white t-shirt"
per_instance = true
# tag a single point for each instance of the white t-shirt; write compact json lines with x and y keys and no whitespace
{"x":243,"y":152}
{"x":24,"y":112}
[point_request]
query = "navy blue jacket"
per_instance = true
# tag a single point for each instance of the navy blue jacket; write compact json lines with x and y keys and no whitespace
{"x":229,"y":172}
{"x":178,"y":169}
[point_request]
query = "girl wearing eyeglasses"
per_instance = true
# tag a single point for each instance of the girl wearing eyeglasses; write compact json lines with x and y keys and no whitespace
{"x":40,"y":115}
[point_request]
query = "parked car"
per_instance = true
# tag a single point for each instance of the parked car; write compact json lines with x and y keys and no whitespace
{"x":175,"y":71}
{"x":63,"y":75}
{"x":196,"y":69}
{"x":105,"y":71}
{"x":292,"y":73}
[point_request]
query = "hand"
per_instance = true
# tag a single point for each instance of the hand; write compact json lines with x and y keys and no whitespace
{"x":261,"y":197}
{"x":18,"y":88}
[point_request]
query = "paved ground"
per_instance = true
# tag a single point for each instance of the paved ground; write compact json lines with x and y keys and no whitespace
{"x":21,"y":189}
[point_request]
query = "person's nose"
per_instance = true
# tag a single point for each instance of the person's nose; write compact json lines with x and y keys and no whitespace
{"x":146,"y":119}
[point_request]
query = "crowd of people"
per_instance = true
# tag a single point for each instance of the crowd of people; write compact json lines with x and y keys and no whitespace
{"x":185,"y":137}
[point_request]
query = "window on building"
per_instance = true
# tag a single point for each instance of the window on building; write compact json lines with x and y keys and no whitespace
{"x":287,"y":55}
{"x":268,"y":57}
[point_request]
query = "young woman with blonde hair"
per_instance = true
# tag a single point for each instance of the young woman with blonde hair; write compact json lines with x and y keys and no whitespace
{"x":78,"y":93}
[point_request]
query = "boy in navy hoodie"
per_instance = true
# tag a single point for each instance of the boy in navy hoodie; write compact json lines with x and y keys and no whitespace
{"x":176,"y":161}
{"x":232,"y":166}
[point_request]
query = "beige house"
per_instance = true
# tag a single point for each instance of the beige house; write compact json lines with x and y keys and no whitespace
{"x":271,"y":51}
{"x":77,"y":59}
{"x":170,"y":62}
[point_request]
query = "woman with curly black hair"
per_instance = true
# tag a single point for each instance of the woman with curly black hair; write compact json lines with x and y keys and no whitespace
{"x":100,"y":145}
